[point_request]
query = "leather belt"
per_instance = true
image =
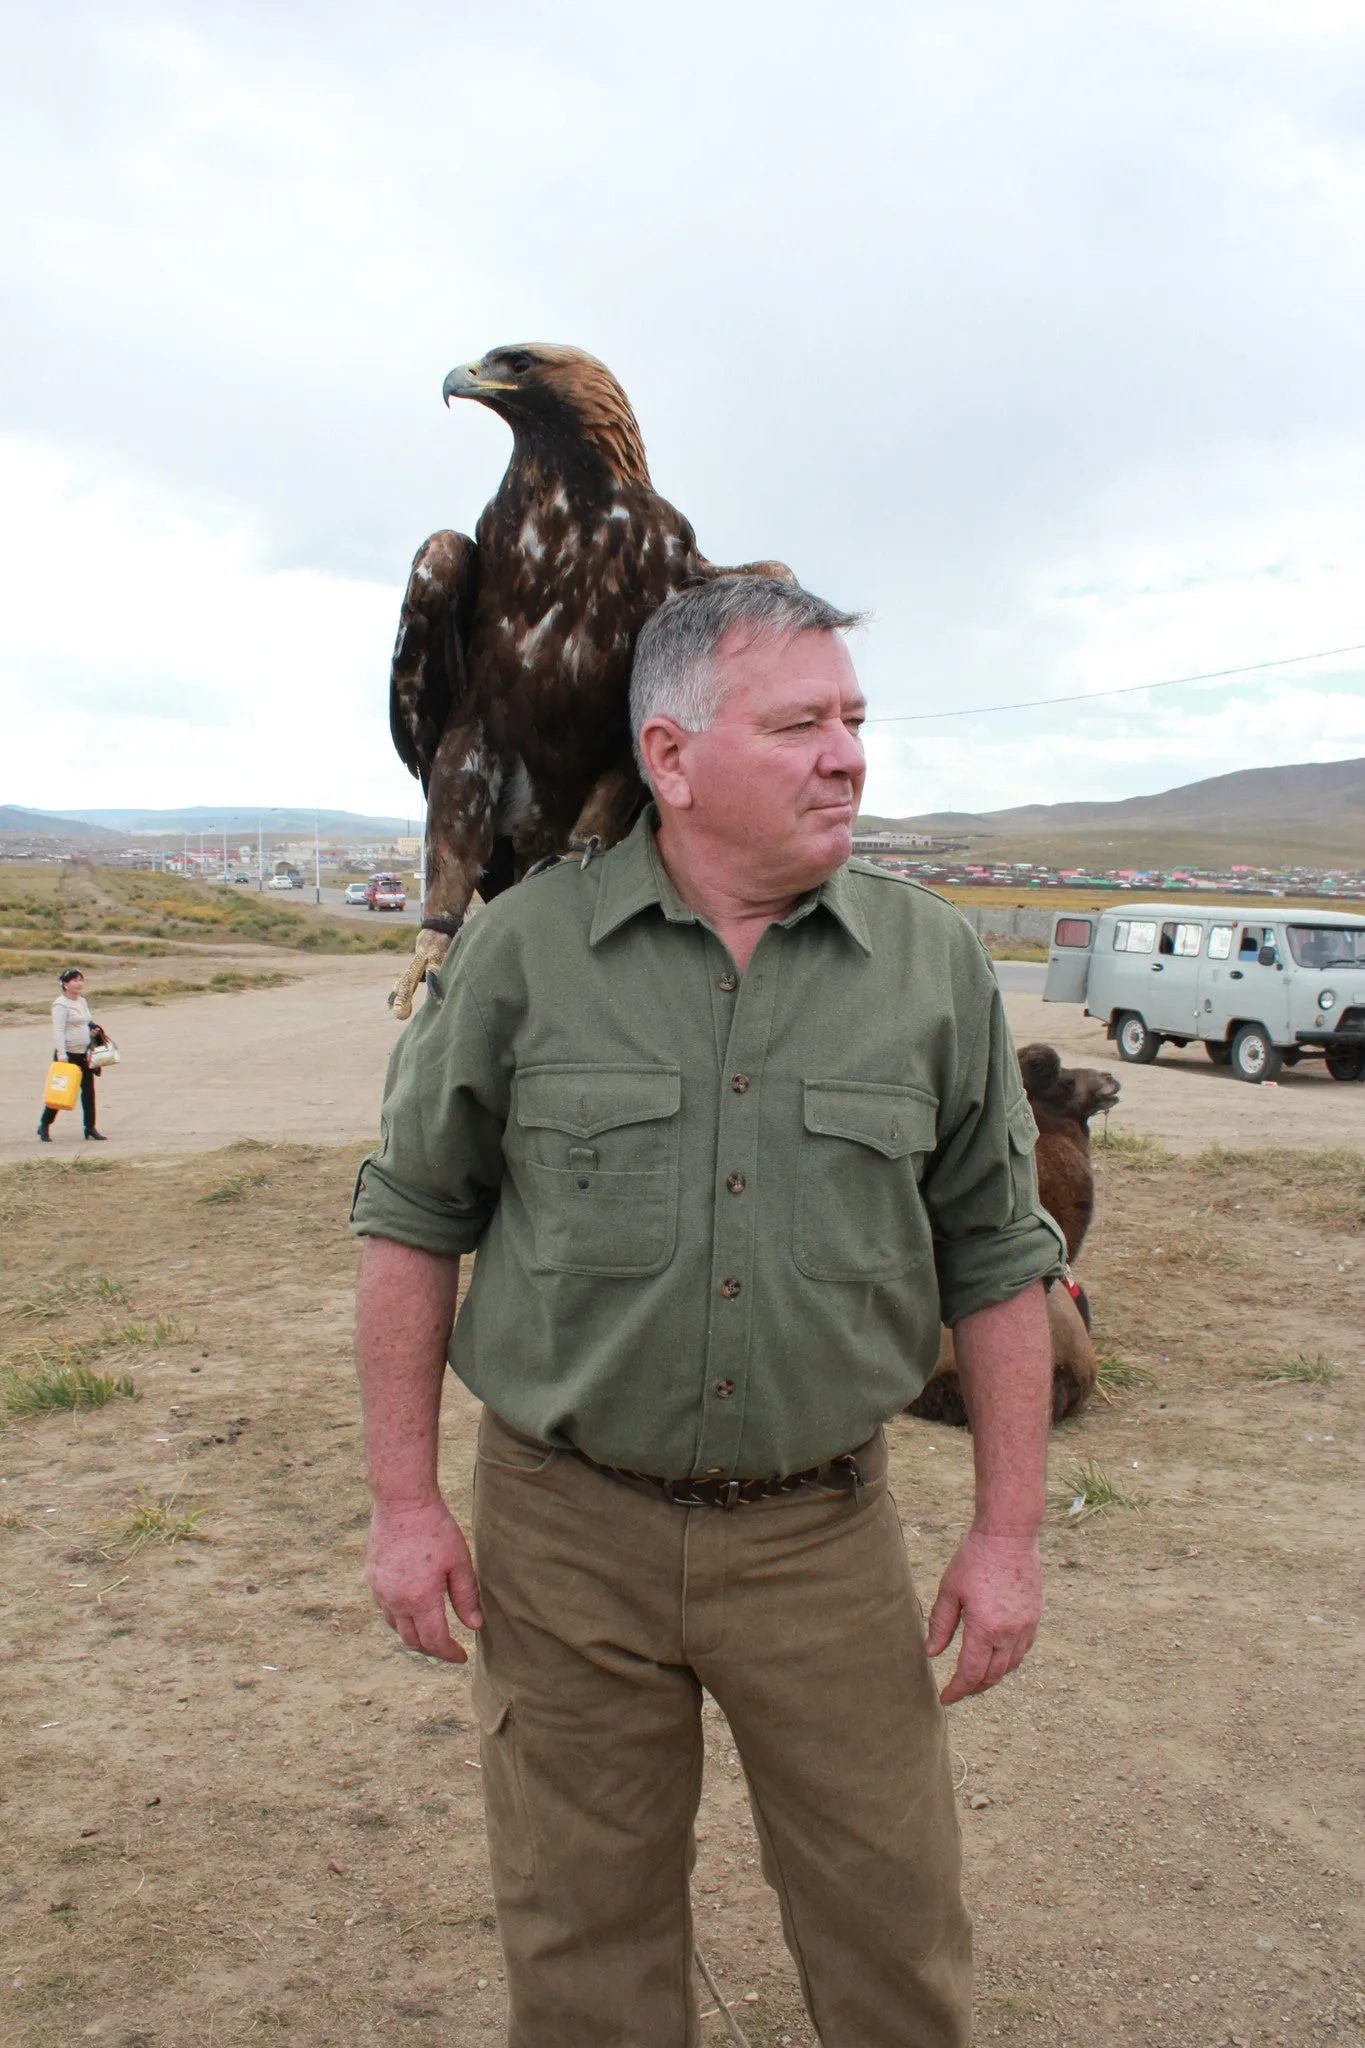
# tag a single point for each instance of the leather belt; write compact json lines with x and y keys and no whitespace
{"x":836,"y":1475}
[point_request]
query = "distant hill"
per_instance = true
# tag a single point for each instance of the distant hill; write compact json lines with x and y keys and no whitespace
{"x":1312,"y":814}
{"x":14,"y":818}
{"x":241,"y":818}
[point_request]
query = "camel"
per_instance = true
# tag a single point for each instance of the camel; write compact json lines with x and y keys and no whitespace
{"x":1063,"y":1100}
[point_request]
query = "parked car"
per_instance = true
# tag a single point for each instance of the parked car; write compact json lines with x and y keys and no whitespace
{"x":386,"y":892}
{"x":283,"y":882}
{"x":241,"y":878}
{"x":1260,"y":989}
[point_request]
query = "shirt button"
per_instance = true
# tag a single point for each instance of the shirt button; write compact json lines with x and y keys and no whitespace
{"x":728,"y":983}
{"x":740,"y":1083}
{"x":729,"y":1288}
{"x":724,"y":1389}
{"x":735,"y":1183}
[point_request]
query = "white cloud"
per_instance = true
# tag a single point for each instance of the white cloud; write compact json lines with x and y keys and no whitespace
{"x":1036,"y":332}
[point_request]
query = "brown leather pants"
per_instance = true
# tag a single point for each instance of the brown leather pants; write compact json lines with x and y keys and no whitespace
{"x":606,"y":1613}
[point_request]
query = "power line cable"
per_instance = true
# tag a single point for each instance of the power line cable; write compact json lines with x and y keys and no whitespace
{"x":1211,"y":675}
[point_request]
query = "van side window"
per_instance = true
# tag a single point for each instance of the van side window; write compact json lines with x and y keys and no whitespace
{"x":1141,"y":936}
{"x":1251,"y":942}
{"x":1220,"y":941}
{"x":1072,"y":931}
{"x":1168,"y":932}
{"x":1188,"y":939}
{"x":1121,"y":936}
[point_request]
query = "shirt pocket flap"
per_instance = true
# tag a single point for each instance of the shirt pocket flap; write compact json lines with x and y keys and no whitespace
{"x":1023,"y":1128}
{"x":893,"y":1121}
{"x":583,"y":1101}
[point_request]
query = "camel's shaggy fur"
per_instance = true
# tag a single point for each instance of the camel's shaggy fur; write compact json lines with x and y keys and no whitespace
{"x":1063,"y":1100}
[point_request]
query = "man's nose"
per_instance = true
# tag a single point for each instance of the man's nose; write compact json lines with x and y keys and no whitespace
{"x":844,"y":753}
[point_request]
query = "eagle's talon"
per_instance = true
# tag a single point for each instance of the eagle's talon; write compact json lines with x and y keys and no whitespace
{"x":429,"y":952}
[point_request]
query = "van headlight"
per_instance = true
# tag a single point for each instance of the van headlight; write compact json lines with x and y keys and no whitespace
{"x":1327,"y":999}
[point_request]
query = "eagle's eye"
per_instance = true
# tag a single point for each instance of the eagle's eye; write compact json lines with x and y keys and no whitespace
{"x":519,"y":363}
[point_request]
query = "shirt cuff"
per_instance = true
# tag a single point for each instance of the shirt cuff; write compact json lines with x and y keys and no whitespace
{"x":995,"y":1265}
{"x":380,"y":1208}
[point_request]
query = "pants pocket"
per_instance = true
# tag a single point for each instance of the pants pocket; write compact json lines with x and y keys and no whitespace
{"x":509,"y":1826}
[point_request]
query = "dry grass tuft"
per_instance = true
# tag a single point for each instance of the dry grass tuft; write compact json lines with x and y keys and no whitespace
{"x":1089,"y":1490}
{"x":1303,"y":1369}
{"x":156,"y":1521}
{"x":1114,"y":1374}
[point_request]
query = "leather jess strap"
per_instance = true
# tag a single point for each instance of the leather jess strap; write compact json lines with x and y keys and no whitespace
{"x":836,"y":1475}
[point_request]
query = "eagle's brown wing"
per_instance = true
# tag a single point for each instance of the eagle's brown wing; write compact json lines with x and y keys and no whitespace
{"x":427,"y":678}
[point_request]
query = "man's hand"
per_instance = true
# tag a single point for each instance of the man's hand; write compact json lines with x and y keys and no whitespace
{"x":417,"y":1559}
{"x":994,"y":1586}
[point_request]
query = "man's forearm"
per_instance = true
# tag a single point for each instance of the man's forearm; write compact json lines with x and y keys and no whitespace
{"x":1004,"y":1363}
{"x":405,"y":1307}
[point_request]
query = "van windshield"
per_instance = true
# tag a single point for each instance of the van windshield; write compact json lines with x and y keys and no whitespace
{"x":1322,"y":945}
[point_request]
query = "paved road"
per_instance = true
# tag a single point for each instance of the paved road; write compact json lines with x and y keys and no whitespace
{"x":1027,"y":976}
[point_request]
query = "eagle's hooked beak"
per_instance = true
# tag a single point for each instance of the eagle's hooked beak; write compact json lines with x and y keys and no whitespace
{"x":465,"y":382}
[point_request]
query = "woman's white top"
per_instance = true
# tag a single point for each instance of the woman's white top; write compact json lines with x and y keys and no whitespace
{"x":71,"y":1021}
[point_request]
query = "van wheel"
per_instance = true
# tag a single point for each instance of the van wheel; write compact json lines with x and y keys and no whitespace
{"x":1254,"y":1057}
{"x":1218,"y":1050}
{"x":1135,"y":1042}
{"x":1346,"y":1066}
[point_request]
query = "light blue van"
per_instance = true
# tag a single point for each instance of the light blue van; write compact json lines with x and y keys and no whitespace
{"x":1261,"y":989}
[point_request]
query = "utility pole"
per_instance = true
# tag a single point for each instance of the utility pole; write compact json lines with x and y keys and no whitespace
{"x":260,"y":858}
{"x":317,"y":863}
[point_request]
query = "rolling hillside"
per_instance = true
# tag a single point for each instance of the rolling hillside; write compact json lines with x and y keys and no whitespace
{"x":1312,"y":813}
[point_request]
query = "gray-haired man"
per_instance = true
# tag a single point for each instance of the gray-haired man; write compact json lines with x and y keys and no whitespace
{"x":731,"y":1121}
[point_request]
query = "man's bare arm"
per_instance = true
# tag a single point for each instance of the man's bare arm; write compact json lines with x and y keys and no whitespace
{"x":405,"y":1306}
{"x":994,"y":1581}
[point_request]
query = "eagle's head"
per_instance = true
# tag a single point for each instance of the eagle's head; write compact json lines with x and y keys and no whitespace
{"x":558,"y":402}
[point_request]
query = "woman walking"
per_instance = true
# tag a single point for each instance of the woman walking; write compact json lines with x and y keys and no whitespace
{"x":73,"y":1029}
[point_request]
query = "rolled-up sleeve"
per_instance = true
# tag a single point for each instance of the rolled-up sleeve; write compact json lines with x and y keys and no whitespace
{"x":991,"y":1236}
{"x":433,"y":1182}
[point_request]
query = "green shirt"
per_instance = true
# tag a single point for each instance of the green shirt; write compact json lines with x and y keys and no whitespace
{"x":718,"y":1218}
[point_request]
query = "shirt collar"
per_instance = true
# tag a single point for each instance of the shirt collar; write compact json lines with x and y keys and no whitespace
{"x":634,"y":879}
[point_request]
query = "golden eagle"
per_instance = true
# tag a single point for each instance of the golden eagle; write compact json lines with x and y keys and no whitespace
{"x":511,"y":672}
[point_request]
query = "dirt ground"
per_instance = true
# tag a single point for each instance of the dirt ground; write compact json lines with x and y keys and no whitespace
{"x":305,"y":1062}
{"x":232,"y":1807}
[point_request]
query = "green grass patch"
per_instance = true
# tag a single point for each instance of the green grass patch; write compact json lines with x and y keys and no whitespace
{"x":47,"y":1388}
{"x":1304,"y":1369}
{"x":1088,"y":1490}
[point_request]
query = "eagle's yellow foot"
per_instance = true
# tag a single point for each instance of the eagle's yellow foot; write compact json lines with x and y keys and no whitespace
{"x":430,"y":951}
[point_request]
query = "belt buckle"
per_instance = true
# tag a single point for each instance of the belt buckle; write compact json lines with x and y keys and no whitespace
{"x":727,"y":1496}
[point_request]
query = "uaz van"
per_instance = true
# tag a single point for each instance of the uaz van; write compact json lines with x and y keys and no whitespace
{"x":1261,"y":989}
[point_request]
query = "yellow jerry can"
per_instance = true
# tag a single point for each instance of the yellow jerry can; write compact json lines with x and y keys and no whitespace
{"x":63,"y":1089}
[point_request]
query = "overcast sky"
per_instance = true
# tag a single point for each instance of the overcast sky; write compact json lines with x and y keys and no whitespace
{"x":1036,"y":332}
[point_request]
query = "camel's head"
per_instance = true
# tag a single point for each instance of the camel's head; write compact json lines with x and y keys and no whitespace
{"x":1073,"y":1094}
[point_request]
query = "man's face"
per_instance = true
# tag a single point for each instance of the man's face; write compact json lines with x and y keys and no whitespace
{"x":776,"y":781}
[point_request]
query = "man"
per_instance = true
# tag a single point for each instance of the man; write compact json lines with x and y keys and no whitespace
{"x":731,"y":1122}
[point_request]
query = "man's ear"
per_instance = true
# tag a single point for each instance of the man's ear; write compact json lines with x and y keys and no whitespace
{"x":663,"y":744}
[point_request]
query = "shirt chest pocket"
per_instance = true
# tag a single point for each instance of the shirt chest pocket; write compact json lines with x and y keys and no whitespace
{"x":598,"y":1163}
{"x":858,"y":1214}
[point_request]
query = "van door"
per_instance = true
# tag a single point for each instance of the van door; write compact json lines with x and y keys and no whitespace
{"x":1258,"y":991}
{"x":1215,"y":990}
{"x":1173,"y":979}
{"x":1069,"y":957}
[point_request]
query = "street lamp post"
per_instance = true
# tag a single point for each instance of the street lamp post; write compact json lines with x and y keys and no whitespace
{"x":317,"y":864}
